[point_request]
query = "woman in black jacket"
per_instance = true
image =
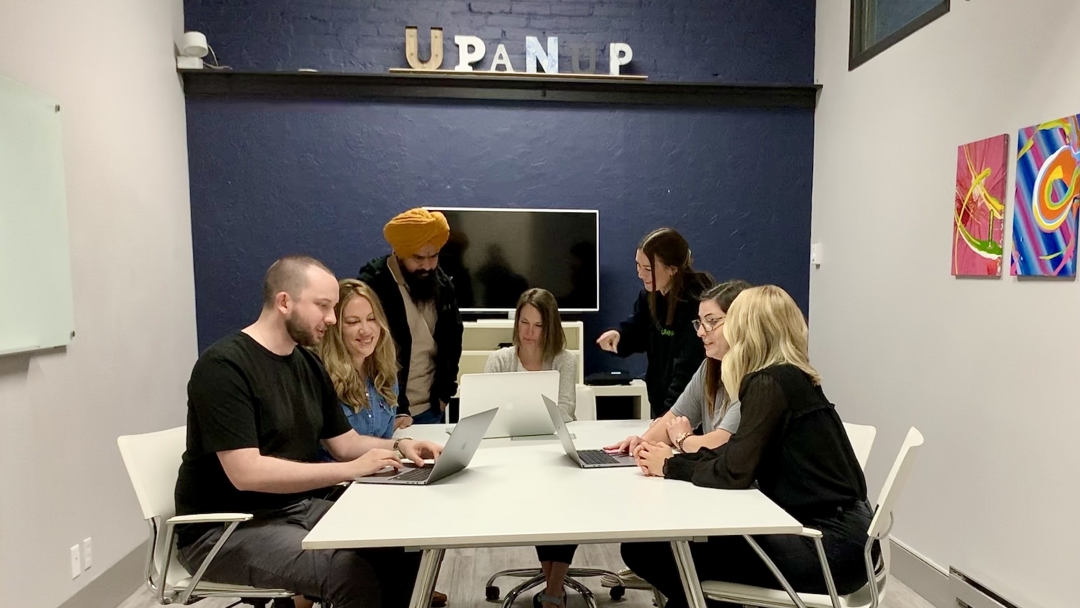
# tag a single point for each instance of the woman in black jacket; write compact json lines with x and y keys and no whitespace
{"x":791,"y":442}
{"x":661,"y":323}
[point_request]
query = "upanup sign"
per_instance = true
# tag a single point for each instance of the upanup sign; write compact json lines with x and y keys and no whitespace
{"x":472,"y":50}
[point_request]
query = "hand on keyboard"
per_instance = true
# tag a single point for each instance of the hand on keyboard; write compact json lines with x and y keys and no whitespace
{"x":372,"y":462}
{"x":626,"y":446}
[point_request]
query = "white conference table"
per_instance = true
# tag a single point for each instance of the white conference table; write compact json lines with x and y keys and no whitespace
{"x":504,"y":499}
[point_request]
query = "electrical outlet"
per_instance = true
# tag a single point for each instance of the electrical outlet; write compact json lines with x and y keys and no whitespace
{"x":76,"y":562}
{"x":88,"y":554}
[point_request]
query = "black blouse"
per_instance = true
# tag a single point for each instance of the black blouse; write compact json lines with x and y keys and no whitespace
{"x":790,"y":441}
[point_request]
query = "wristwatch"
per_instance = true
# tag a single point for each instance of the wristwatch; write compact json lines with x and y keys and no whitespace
{"x":397,"y":443}
{"x":680,"y":439}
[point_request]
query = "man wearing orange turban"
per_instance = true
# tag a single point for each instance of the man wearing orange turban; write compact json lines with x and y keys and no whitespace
{"x":422,"y":312}
{"x":415,"y":230}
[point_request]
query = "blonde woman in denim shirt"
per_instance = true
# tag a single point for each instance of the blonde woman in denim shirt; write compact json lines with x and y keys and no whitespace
{"x":360,"y":357}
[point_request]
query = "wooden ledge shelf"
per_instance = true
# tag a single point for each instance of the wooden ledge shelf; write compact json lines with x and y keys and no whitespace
{"x":208,"y":83}
{"x":504,"y":74}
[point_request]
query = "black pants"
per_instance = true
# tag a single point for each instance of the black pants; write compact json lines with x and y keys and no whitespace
{"x":556,"y":553}
{"x":731,"y":559}
{"x":266,"y":552}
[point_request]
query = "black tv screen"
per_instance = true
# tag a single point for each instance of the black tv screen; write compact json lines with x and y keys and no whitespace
{"x":496,"y":254}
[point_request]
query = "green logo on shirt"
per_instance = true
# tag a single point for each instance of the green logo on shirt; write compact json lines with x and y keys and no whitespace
{"x":667,"y":333}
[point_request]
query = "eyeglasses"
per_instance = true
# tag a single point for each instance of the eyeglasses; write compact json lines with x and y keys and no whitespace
{"x":709,"y":325}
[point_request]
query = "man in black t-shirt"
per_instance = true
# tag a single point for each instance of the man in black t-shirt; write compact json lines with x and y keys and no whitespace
{"x":259,"y":405}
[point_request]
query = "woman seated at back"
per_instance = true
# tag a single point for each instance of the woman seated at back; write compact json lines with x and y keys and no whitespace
{"x":791,"y":442}
{"x":539,"y":345}
{"x":704,"y":403}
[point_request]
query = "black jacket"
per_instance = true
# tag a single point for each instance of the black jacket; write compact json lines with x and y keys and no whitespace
{"x":675,"y":352}
{"x":448,"y":330}
{"x":791,"y":441}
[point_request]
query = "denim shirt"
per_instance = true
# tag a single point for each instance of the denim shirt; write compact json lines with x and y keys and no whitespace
{"x":377,"y":420}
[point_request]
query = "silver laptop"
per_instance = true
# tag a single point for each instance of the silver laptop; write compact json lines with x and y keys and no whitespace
{"x":517,"y":397}
{"x":586,"y":459}
{"x":456,"y":455}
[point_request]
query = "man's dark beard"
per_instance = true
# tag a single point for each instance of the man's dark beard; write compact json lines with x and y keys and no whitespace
{"x":304,"y":336}
{"x":423,"y":285}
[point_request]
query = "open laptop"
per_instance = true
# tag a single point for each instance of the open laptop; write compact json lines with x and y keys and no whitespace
{"x":456,"y":455}
{"x":586,"y":459}
{"x":517,"y":396}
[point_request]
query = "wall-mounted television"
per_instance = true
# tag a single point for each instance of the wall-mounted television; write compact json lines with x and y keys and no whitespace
{"x":496,"y":254}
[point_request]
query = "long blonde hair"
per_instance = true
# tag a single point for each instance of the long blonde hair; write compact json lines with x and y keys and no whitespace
{"x":764,"y":327}
{"x":381,"y":367}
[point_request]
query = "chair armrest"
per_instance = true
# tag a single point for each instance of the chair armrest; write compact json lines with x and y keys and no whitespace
{"x":208,"y":518}
{"x":231,"y":521}
{"x":825,"y":570}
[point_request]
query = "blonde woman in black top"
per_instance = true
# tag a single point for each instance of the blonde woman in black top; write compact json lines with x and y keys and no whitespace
{"x":791,"y":442}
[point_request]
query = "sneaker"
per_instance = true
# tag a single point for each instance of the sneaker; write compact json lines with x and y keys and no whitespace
{"x":538,"y":599}
{"x":629,"y":580}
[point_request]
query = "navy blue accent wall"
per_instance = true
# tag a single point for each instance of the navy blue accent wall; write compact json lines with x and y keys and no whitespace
{"x":691,"y":40}
{"x":269,"y":178}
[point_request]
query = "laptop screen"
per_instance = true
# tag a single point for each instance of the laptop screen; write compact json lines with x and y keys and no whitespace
{"x":561,"y":430}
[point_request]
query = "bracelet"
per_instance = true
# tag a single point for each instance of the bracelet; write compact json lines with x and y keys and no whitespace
{"x":397,"y":442}
{"x":680,"y":440}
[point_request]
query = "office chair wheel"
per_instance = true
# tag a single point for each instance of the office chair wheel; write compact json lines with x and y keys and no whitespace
{"x":617,"y":592}
{"x":492,"y":593}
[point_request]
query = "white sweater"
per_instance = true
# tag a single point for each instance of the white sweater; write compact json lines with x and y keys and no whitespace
{"x":506,"y":360}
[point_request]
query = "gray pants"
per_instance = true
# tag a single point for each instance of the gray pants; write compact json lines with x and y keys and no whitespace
{"x":265,"y":552}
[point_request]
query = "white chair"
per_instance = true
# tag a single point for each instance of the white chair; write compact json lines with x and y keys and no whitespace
{"x":153,"y":462}
{"x":586,"y":403}
{"x":871,"y":594}
{"x":861,"y":437}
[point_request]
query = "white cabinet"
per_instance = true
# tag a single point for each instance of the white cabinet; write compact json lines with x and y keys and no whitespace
{"x":481,"y":338}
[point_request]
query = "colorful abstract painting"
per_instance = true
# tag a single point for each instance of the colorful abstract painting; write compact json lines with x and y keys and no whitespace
{"x":979,"y":212}
{"x":1047,"y":181}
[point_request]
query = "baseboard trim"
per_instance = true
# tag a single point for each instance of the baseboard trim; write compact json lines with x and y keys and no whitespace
{"x":113,"y":586}
{"x":921,"y":574}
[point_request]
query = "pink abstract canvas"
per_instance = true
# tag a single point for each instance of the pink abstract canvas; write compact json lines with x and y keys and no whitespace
{"x":979,"y":210}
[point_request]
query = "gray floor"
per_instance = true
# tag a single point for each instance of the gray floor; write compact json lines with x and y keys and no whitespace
{"x":465,"y":571}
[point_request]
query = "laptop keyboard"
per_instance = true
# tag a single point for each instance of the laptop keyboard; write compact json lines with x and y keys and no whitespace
{"x":414,"y":475}
{"x":596,"y":457}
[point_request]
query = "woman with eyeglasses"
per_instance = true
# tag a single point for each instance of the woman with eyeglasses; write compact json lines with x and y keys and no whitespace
{"x":704,"y":403}
{"x":660,"y":323}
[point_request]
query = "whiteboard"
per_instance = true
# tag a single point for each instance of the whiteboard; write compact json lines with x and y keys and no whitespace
{"x":35,"y":259}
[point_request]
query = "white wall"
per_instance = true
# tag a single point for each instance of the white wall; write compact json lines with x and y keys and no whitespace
{"x":110,"y":63}
{"x":987,"y":369}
